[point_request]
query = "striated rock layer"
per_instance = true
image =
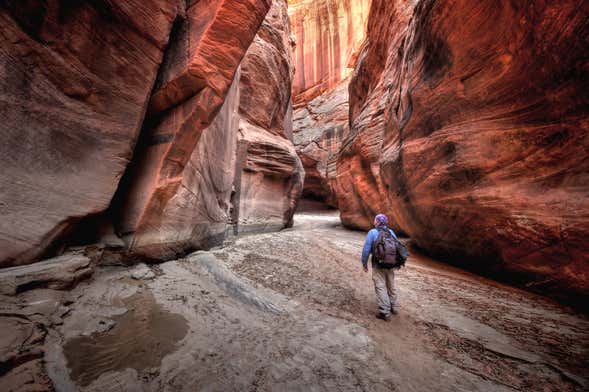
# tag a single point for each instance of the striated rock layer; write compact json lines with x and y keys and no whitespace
{"x":472,"y":119}
{"x":320,"y":127}
{"x":328,"y":35}
{"x":360,"y":191}
{"x":162,"y":207}
{"x":74,"y":82}
{"x":269,"y":178}
{"x":157,"y":107}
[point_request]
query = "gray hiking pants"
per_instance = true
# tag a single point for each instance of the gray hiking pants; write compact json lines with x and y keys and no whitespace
{"x":386,"y":293}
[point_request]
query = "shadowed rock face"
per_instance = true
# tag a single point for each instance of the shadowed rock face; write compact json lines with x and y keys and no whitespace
{"x":196,"y":211}
{"x":328,"y":35}
{"x":161,"y":211}
{"x":472,"y":119}
{"x":74,"y":111}
{"x":320,"y":127}
{"x":74,"y":82}
{"x":269,"y":177}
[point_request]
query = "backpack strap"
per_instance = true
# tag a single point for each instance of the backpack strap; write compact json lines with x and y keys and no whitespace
{"x":385,"y":230}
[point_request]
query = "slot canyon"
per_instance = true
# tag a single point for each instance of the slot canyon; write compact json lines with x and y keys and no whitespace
{"x":187,"y":187}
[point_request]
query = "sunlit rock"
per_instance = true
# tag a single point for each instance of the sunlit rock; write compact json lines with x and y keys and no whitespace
{"x":328,"y":36}
{"x":469,"y":128}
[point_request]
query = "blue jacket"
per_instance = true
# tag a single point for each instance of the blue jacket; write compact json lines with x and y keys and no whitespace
{"x":370,"y":238}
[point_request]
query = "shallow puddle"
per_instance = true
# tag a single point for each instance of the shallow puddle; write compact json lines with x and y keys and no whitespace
{"x":140,"y":339}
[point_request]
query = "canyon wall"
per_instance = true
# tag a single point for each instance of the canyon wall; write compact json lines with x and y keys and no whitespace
{"x":200,"y":65}
{"x":328,"y":35}
{"x":71,"y":110}
{"x":119,"y":133}
{"x":469,"y":128}
{"x":360,"y":190}
{"x":320,"y":126}
{"x":270,"y":178}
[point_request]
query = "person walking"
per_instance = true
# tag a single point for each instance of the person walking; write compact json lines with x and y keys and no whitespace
{"x":383,"y":277}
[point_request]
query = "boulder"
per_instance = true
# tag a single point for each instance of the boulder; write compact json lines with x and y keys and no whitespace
{"x":56,"y":273}
{"x":471,"y":117}
{"x":142,"y":272}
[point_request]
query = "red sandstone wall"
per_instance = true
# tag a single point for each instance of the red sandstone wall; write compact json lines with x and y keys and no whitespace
{"x":271,"y":175}
{"x":328,"y":35}
{"x":74,"y":83}
{"x":320,"y":126}
{"x":73,"y":111}
{"x":469,"y":128}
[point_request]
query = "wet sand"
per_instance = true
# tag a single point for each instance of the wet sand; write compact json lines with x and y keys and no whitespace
{"x":137,"y":339}
{"x":293,"y":311}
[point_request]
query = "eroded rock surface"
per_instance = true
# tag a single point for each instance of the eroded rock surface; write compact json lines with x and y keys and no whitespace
{"x":80,"y":108}
{"x":196,"y":213}
{"x":266,"y":77}
{"x":269,"y":174}
{"x":360,"y":191}
{"x":74,"y":82}
{"x":163,"y":207}
{"x":328,"y":35}
{"x":166,"y":96}
{"x":25,"y":321}
{"x":320,"y":126}
{"x":57,"y":273}
{"x":271,"y":180}
{"x":471,"y":120}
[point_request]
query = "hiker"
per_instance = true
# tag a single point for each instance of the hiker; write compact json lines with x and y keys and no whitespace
{"x":383,"y":273}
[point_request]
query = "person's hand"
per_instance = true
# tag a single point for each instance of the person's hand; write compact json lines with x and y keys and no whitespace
{"x":365,"y":268}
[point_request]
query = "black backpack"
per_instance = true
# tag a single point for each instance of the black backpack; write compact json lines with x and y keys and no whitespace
{"x":387,"y":251}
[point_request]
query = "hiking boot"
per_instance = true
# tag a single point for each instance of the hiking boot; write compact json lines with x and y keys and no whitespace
{"x":383,"y":316}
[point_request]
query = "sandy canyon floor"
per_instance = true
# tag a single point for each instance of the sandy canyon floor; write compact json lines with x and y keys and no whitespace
{"x":294,"y":311}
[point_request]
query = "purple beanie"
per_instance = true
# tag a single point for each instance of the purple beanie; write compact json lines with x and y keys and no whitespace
{"x":381,"y":220}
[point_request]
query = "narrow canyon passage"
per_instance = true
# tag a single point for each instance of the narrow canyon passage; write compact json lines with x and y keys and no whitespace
{"x":157,"y":157}
{"x":293,"y":310}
